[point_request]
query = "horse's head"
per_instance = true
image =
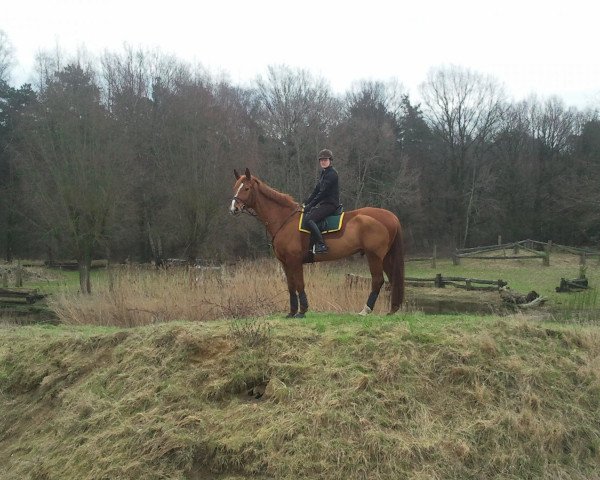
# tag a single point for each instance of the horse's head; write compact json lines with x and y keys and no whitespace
{"x":244,"y":196}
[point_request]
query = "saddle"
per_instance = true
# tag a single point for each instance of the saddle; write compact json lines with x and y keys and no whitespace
{"x":332,"y":223}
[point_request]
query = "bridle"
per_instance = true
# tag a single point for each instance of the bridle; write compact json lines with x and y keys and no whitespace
{"x":243,"y":207}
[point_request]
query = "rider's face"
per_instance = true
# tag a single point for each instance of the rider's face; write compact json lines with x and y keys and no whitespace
{"x":325,"y":162}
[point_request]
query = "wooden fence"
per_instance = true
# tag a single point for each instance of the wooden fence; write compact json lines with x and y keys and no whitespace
{"x":459,"y":282}
{"x":524,"y":249}
{"x":432,"y":259}
{"x":19,"y":294}
{"x":18,"y":273}
{"x":514,"y":249}
{"x":73,"y":264}
{"x":439,"y":281}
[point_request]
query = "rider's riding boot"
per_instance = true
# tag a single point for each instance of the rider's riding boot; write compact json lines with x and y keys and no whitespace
{"x":320,"y":246}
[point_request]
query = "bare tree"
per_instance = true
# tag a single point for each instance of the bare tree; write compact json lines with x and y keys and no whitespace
{"x":576,"y":202}
{"x":7,"y":59}
{"x":136,"y":85}
{"x":297,"y":112}
{"x":464,"y":110}
{"x":366,"y":140}
{"x":552,"y":126}
{"x":70,"y":159}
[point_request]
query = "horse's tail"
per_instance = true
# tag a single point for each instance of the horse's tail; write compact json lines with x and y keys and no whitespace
{"x":397,"y":280}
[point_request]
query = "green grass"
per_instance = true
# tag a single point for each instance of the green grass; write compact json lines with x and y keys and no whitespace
{"x":60,"y":280}
{"x":521,"y":275}
{"x":411,"y":396}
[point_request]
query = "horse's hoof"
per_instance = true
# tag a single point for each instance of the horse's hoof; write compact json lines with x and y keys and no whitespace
{"x":394,"y":310}
{"x":290,"y":315}
{"x":365,"y":311}
{"x":299,"y":315}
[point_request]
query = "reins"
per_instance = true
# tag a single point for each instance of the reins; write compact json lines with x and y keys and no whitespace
{"x":298,"y":209}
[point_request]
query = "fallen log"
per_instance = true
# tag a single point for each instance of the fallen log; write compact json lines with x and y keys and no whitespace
{"x":574,"y":285}
{"x":519,"y":300}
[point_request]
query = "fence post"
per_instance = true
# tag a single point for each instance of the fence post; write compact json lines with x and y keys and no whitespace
{"x":455,"y":258}
{"x":516,"y":248}
{"x":5,"y":279}
{"x":582,"y":258}
{"x":434,"y":257}
{"x":547,"y":249}
{"x":18,"y":275}
{"x":439,"y":281}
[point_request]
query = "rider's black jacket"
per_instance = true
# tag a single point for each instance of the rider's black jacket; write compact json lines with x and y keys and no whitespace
{"x":326,"y":191}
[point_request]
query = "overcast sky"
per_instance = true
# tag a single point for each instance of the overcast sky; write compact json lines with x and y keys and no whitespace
{"x":531,"y":46}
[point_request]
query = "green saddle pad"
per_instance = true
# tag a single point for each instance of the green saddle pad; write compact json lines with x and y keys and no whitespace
{"x":332,"y":223}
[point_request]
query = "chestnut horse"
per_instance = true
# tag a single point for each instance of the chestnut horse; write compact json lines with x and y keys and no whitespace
{"x":373,"y":231}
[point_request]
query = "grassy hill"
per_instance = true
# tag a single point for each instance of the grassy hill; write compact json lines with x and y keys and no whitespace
{"x":412,"y":396}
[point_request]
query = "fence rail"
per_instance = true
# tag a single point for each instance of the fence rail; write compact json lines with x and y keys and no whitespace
{"x":535,"y":248}
{"x":532,"y":247}
{"x":432,"y":259}
{"x":17,"y":294}
{"x":469,"y":283}
{"x":439,"y":281}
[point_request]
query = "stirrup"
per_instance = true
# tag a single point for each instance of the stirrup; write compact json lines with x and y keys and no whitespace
{"x":319,"y":248}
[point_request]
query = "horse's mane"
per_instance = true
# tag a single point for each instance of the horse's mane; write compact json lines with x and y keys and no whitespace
{"x":276,"y":196}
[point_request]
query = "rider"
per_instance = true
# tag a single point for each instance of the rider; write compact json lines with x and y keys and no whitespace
{"x":323,"y":201}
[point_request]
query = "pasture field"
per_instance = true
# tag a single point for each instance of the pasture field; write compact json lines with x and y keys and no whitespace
{"x":140,"y":295}
{"x":213,"y":383}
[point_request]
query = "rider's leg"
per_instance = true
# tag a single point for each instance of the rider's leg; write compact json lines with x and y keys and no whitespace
{"x":315,"y":215}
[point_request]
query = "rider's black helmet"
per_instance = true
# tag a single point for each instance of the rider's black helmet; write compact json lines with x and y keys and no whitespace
{"x":326,"y":153}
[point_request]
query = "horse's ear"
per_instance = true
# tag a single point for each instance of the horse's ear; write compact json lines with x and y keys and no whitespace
{"x":248,"y":173}
{"x":237,"y":175}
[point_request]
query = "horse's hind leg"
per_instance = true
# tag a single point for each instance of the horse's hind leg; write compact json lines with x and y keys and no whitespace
{"x":388,"y":267}
{"x":377,"y":280}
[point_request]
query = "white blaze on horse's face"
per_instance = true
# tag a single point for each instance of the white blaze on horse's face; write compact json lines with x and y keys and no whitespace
{"x":234,"y":208}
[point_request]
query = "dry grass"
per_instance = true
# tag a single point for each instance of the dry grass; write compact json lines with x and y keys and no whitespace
{"x":135,"y":296}
{"x":428,"y":397}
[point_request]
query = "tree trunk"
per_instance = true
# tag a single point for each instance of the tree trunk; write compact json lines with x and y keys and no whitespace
{"x":8,"y":254}
{"x":85,"y":265}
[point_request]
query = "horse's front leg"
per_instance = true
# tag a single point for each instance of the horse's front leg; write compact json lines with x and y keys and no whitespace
{"x":295,"y":276}
{"x":292,"y":291}
{"x":299,"y":281}
{"x":303,"y":304}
